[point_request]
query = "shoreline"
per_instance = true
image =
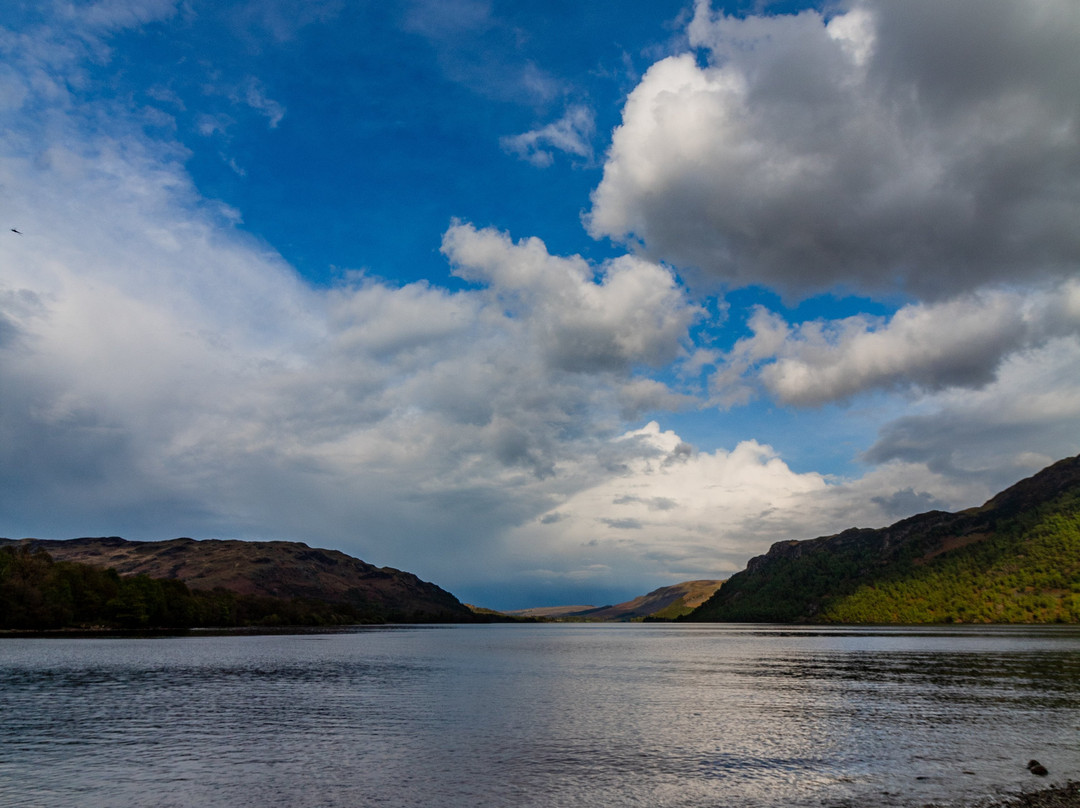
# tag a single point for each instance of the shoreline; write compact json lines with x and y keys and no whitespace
{"x":1054,"y":795}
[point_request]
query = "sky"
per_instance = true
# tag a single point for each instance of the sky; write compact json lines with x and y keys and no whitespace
{"x":546,"y":302}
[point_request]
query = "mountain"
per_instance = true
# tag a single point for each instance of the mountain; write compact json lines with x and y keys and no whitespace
{"x":554,"y":612}
{"x":277,"y":569}
{"x":666,"y":602}
{"x":1016,"y":559}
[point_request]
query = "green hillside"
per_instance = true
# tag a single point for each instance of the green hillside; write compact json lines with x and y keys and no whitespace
{"x":1027,"y":572}
{"x":1014,"y":560}
{"x":665,"y":603}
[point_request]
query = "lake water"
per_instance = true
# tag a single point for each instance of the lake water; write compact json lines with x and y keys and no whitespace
{"x":539,"y":715}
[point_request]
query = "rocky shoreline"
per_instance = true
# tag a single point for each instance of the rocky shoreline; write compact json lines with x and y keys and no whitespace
{"x":1066,"y":795}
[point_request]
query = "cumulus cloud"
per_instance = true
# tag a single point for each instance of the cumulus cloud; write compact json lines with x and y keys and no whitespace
{"x":959,"y":343}
{"x":635,"y":315}
{"x":930,"y":147}
{"x":571,"y":134}
{"x":696,"y":511}
{"x":683,"y":513}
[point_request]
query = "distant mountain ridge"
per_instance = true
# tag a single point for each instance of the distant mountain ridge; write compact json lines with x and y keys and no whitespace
{"x":278,"y":569}
{"x":665,"y":602}
{"x":1014,"y":559}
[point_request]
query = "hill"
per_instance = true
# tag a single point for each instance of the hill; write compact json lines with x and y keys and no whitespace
{"x":1016,"y":559}
{"x":270,"y":569}
{"x":554,"y":612}
{"x":664,"y":603}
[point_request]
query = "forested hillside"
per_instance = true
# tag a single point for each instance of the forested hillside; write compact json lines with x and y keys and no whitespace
{"x":1014,"y":560}
{"x":38,"y":593}
{"x":271,"y":571}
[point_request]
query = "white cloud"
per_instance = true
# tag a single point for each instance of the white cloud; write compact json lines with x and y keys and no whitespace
{"x":958,"y":343}
{"x":635,"y":315}
{"x":718,"y":507}
{"x":571,"y":134}
{"x":680,"y":513}
{"x":924,"y":146}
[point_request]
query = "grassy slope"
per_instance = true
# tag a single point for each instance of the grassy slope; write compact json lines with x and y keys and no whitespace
{"x":1016,"y":559}
{"x":1027,"y":572}
{"x":665,"y":603}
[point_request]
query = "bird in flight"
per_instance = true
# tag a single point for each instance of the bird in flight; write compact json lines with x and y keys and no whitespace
{"x":16,"y":232}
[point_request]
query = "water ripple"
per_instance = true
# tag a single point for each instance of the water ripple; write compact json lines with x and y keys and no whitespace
{"x":547,"y":715}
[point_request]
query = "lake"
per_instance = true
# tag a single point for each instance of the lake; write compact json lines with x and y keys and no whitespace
{"x":551,"y":715}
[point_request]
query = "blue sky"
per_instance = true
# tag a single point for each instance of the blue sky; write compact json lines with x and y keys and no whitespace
{"x":383,"y":121}
{"x":545,"y":302}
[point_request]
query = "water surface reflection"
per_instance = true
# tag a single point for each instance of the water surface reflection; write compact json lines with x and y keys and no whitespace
{"x":543,"y":715}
